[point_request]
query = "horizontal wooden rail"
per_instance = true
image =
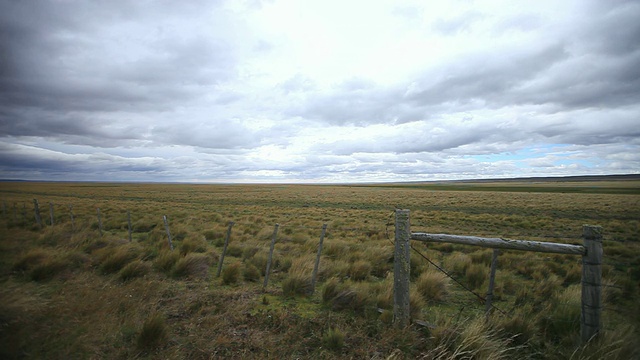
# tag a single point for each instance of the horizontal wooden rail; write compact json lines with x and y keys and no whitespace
{"x":499,"y":243}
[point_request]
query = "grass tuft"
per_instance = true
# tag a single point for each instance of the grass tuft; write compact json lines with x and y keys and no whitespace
{"x":296,"y":284}
{"x":193,"y":265}
{"x":434,"y":286}
{"x":231,"y":274}
{"x":134,"y":269}
{"x":153,"y":332}
{"x":333,"y":339}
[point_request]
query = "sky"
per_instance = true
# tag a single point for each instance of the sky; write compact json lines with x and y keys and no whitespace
{"x":325,"y":91}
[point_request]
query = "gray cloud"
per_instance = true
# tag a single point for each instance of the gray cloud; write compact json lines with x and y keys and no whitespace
{"x":197,"y":91}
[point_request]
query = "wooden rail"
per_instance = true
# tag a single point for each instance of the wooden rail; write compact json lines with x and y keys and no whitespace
{"x":591,"y":252}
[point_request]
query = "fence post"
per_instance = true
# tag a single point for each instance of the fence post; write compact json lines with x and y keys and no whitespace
{"x":317,"y":264}
{"x":166,"y":228}
{"x":129,"y":223}
{"x":99,"y":222}
{"x":591,"y":282}
{"x":273,"y":244}
{"x":51,"y":212}
{"x":492,"y":279}
{"x":224,"y":249}
{"x":36,"y":209}
{"x":401,"y":269}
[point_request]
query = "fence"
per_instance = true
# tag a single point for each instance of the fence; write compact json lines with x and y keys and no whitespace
{"x":165,"y":220}
{"x":591,"y":253}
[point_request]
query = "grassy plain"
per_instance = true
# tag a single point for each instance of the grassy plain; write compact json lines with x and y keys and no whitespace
{"x":68,"y":292}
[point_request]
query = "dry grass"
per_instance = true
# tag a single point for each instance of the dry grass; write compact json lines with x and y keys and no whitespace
{"x":122,"y":307}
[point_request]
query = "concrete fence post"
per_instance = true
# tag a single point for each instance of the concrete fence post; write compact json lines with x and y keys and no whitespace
{"x":591,"y":282}
{"x":401,"y":269}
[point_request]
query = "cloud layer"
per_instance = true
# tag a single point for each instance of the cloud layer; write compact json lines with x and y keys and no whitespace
{"x":275,"y":91}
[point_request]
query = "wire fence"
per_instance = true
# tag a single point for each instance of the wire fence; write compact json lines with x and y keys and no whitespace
{"x":20,"y":213}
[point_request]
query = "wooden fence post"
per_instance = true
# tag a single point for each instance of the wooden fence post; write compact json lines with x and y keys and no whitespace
{"x":591,"y":282}
{"x":99,"y":222}
{"x":73,"y":223}
{"x":492,"y":279}
{"x":317,"y":264}
{"x":129,"y":223}
{"x":401,"y":269}
{"x":273,"y":244}
{"x":166,"y":228}
{"x":36,"y":209}
{"x":51,"y":212}
{"x":224,"y":249}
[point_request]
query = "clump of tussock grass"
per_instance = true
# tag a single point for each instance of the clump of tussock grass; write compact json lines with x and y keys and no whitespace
{"x":41,"y":265}
{"x":194,"y":265}
{"x":214,"y":236}
{"x":134,"y":269}
{"x":48,"y":269}
{"x":231,"y":274}
{"x":360,"y":270}
{"x":457,"y":263}
{"x":192,"y":244}
{"x":234,"y":250}
{"x":166,"y":260}
{"x":481,"y":256}
{"x":572,"y":275}
{"x":560,"y":321}
{"x":296,"y":284}
{"x":433,"y":286}
{"x":330,"y":290}
{"x":250,"y":273}
{"x":476,"y":275}
{"x":333,"y":268}
{"x":345,"y":296}
{"x":259,"y":260}
{"x":52,"y":236}
{"x":333,"y":339}
{"x":30,"y":259}
{"x":619,"y":344}
{"x":116,"y":257}
{"x":518,"y":327}
{"x":470,"y":339}
{"x":154,"y":332}
{"x":144,"y":225}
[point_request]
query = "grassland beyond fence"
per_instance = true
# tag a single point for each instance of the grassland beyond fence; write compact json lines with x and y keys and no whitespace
{"x":68,"y":292}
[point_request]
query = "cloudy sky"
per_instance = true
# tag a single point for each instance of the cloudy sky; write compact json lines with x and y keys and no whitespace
{"x":318,"y":91}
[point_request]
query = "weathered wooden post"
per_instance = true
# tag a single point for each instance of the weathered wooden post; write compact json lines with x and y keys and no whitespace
{"x":492,"y":279}
{"x":129,"y":223}
{"x":166,"y":228}
{"x":36,"y":209}
{"x":273,"y":244}
{"x":224,"y":249}
{"x":73,"y":223}
{"x":591,"y":282}
{"x":51,"y":212}
{"x":401,"y":269}
{"x":99,"y":222}
{"x":317,"y":264}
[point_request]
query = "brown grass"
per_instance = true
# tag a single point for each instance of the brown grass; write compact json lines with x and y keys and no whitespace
{"x":106,"y":316}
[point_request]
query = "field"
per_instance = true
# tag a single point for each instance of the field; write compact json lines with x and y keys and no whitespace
{"x":69,"y":292}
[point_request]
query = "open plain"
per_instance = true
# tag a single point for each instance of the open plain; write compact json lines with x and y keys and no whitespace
{"x":78,"y":287}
